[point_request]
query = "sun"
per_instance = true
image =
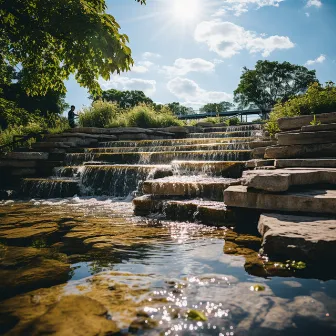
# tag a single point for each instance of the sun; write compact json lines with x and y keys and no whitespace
{"x":185,"y":10}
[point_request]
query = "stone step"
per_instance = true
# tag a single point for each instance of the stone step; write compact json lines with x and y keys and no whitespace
{"x":174,"y":142}
{"x":262,"y":143}
{"x":240,"y":134}
{"x":189,"y":187}
{"x":306,"y":138}
{"x":306,"y":163}
{"x":301,"y":151}
{"x":158,"y":157}
{"x":231,"y":169}
{"x":100,"y":137}
{"x":322,"y":127}
{"x":299,"y":238}
{"x":209,"y":146}
{"x":225,"y":128}
{"x":279,"y":180}
{"x":204,"y":212}
{"x":48,"y":145}
{"x":259,"y":152}
{"x":307,"y":201}
{"x":297,"y":122}
{"x":49,"y":188}
{"x":25,"y":156}
{"x":256,"y":163}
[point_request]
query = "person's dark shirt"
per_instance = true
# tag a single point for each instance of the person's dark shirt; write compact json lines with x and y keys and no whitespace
{"x":71,"y":115}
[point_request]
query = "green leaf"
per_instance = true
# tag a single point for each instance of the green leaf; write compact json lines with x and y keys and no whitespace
{"x":196,"y":315}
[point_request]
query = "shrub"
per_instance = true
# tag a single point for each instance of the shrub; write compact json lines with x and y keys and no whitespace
{"x":100,"y":114}
{"x":317,"y":99}
{"x":145,"y":116}
{"x":232,"y":121}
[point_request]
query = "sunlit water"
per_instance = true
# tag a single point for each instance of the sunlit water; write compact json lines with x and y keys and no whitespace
{"x":181,"y":268}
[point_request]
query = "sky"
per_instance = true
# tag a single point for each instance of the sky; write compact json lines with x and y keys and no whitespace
{"x":193,"y":51}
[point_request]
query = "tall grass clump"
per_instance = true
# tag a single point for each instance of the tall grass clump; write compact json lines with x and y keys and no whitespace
{"x":318,"y":99}
{"x":100,"y":114}
{"x":145,"y":116}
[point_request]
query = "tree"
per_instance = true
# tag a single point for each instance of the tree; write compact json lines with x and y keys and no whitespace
{"x":126,"y":99}
{"x":215,"y":108}
{"x":271,"y":82}
{"x":179,"y":109}
{"x":49,"y":40}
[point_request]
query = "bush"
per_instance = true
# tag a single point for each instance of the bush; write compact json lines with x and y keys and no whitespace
{"x":232,"y":121}
{"x":317,"y":99}
{"x":100,"y":114}
{"x":145,"y":116}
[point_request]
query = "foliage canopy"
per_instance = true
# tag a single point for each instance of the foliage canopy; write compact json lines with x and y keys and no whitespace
{"x":51,"y":39}
{"x":216,"y":107}
{"x":271,"y":82}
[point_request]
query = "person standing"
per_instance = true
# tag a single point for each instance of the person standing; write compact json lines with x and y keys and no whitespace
{"x":71,"y":116}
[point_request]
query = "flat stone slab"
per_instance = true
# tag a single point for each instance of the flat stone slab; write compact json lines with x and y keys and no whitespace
{"x":189,"y":187}
{"x":301,"y":151}
{"x":298,"y":237}
{"x":259,"y":163}
{"x":82,"y":135}
{"x":205,"y":212}
{"x":53,"y":144}
{"x":279,"y":180}
{"x":262,"y":143}
{"x":18,"y":163}
{"x":306,"y":138}
{"x":308,"y":201}
{"x":214,"y":168}
{"x":259,"y":152}
{"x":322,"y":127}
{"x":317,"y":163}
{"x":25,"y":156}
{"x":297,"y":122}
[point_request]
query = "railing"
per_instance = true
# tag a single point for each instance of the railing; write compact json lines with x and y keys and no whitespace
{"x":20,"y":139}
{"x":224,"y":114}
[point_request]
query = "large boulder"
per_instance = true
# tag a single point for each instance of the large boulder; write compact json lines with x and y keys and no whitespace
{"x":306,"y":138}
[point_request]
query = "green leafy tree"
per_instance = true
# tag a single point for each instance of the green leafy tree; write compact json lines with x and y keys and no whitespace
{"x":126,"y":99}
{"x":216,"y":108}
{"x":271,"y":82}
{"x":179,"y":109}
{"x":50,"y":40}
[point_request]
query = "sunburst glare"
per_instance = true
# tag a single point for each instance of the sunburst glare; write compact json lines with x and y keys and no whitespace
{"x":186,"y":10}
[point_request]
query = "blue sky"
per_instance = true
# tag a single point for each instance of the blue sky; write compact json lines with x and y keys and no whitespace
{"x":193,"y":51}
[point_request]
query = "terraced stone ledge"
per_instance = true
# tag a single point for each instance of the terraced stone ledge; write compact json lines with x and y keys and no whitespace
{"x":204,"y":212}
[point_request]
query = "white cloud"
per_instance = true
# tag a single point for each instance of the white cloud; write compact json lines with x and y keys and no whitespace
{"x":139,"y":69}
{"x":182,"y":66}
{"x":319,"y":59}
{"x":149,"y":55}
{"x":228,"y":39}
{"x":314,"y":3}
{"x":193,"y":95}
{"x":307,"y":14}
{"x":242,"y":6}
{"x":125,"y":83}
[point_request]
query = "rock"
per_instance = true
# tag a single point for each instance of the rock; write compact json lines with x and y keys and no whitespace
{"x":48,"y":145}
{"x":306,"y":138}
{"x":189,"y":187}
{"x":263,"y":143}
{"x":25,"y":156}
{"x":232,"y":169}
{"x":25,"y":268}
{"x":301,"y":151}
{"x":298,"y":237}
{"x":18,"y":163}
{"x":308,"y":201}
{"x":72,"y":315}
{"x":138,"y":136}
{"x":177,"y":129}
{"x":23,"y":172}
{"x":316,"y":128}
{"x":279,"y":180}
{"x":297,"y":122}
{"x":305,"y":163}
{"x":259,"y":163}
{"x":258,"y":153}
{"x":204,"y":124}
{"x":205,"y":212}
